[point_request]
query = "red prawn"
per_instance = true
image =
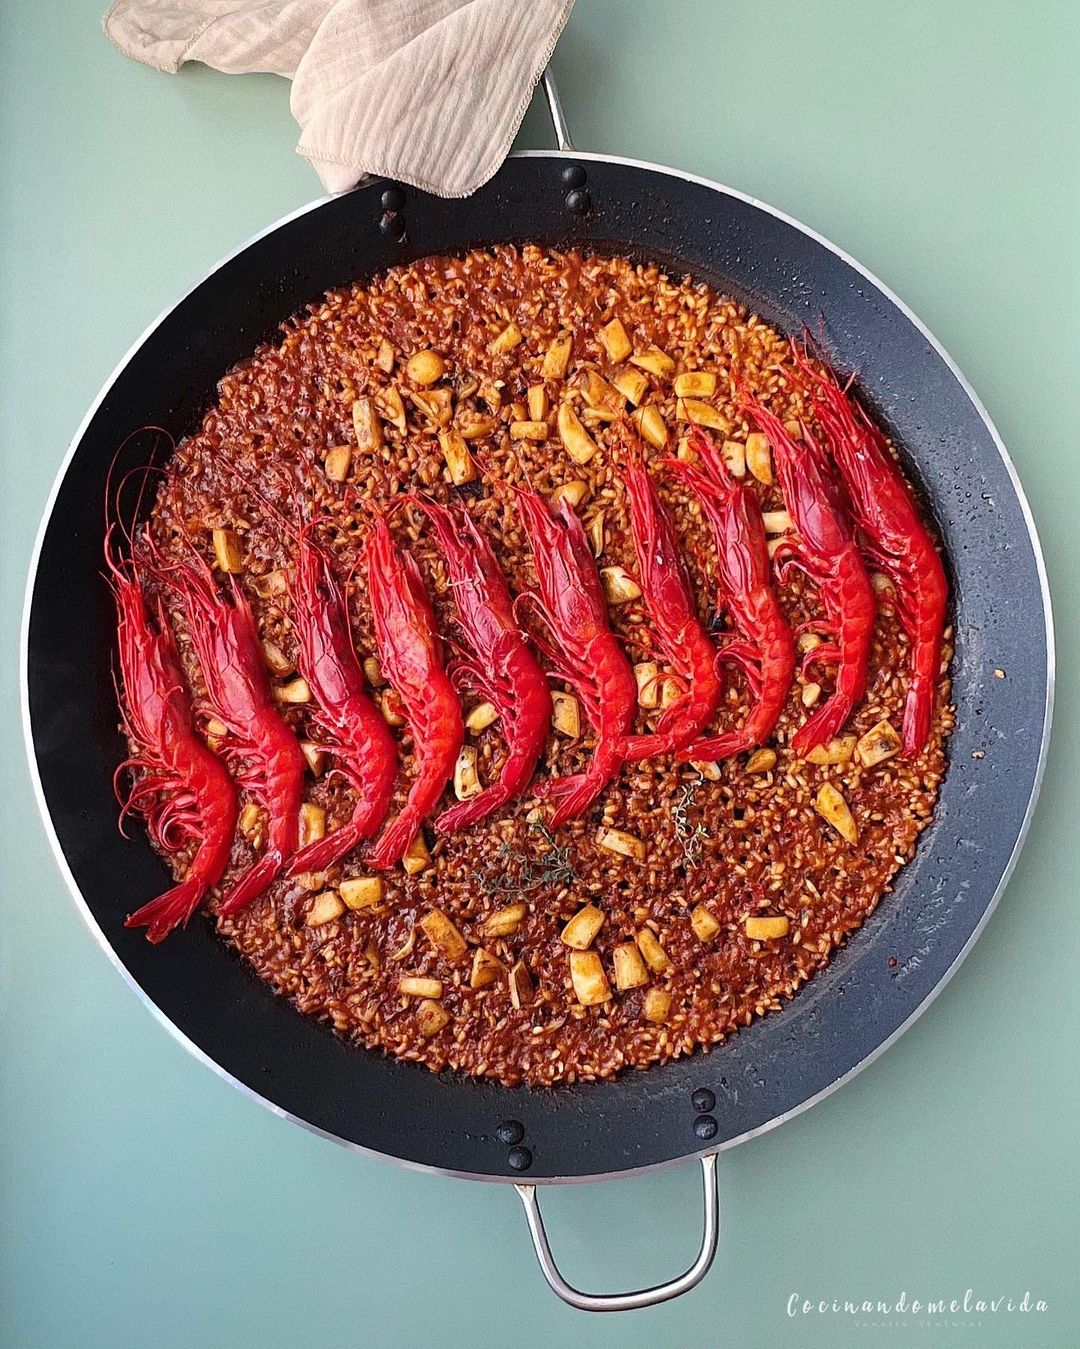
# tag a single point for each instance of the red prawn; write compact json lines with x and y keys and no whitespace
{"x":824,"y":548}
{"x":764,"y":649}
{"x":580,"y":645}
{"x":184,"y":792}
{"x":410,"y":653}
{"x":498,"y":663}
{"x":897,"y":541}
{"x":356,"y":733}
{"x":261,"y":747}
{"x":680,"y":634}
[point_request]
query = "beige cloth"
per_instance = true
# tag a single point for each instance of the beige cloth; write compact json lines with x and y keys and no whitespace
{"x":430,"y":92}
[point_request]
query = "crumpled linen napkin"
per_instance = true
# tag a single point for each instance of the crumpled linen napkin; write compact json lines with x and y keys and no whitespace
{"x":429,"y":92}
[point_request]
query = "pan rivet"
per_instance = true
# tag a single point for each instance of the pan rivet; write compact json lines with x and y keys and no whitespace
{"x":578,"y":200}
{"x":393,"y":199}
{"x":520,"y":1159}
{"x":703,"y":1099}
{"x":574,"y":175}
{"x":705,"y":1127}
{"x":510,"y":1131}
{"x":392,"y":225}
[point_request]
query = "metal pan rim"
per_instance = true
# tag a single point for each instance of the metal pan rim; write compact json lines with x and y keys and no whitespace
{"x":188,"y":1044}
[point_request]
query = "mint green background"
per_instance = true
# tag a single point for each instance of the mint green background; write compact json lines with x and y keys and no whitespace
{"x":145,"y":1203}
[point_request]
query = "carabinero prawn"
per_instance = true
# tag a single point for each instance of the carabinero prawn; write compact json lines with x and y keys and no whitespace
{"x":896,"y":541}
{"x":825,"y":549}
{"x":580,"y":646}
{"x":259,"y":746}
{"x":411,"y":656}
{"x":673,"y":618}
{"x":496,"y":662}
{"x":763,"y":648}
{"x":182,"y":790}
{"x":354,"y":731}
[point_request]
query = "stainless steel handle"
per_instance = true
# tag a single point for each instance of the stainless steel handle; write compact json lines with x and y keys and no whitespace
{"x":555,"y":107}
{"x":645,"y":1297}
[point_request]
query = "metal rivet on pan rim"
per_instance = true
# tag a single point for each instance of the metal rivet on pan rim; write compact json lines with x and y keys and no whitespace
{"x":703,"y":1099}
{"x":392,"y":225}
{"x":578,"y":200}
{"x":574,"y":175}
{"x":520,"y":1159}
{"x":510,"y":1131}
{"x":705,"y":1127}
{"x":393,"y":199}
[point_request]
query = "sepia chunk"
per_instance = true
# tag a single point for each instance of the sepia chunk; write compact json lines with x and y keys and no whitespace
{"x":505,"y":922}
{"x":312,"y":824}
{"x":632,"y":384}
{"x":486,"y":969}
{"x":362,"y":892}
{"x":615,"y":341}
{"x":879,"y":743}
{"x":325,"y":908}
{"x":765,"y":928}
{"x":580,"y":931}
{"x":337,"y":463}
{"x":619,"y":841}
{"x":420,"y":986}
{"x":431,"y":1017}
{"x":832,"y":808}
{"x":655,"y":361}
{"x":521,"y":985}
{"x":557,"y":358}
{"x":579,"y":445}
{"x":228,"y":553}
{"x":695,"y":384}
{"x":619,"y":586}
{"x":698,"y":413}
{"x":441,"y":932}
{"x":566,"y":714}
{"x":836,"y":751}
{"x":704,"y":923}
{"x":466,"y":778}
{"x":416,"y":858}
{"x":630,"y":971}
{"x":655,"y":956}
{"x":366,"y":425}
{"x":507,"y":340}
{"x":734,"y":456}
{"x":650,"y":425}
{"x":573,"y":493}
{"x":759,"y":457}
{"x":458,"y":459}
{"x":587,"y":975}
{"x":481,"y":717}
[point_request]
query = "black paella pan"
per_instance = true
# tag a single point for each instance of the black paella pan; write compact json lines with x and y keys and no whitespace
{"x":887,"y":972}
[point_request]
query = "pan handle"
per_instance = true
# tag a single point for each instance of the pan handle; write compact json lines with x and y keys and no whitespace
{"x":555,"y":107}
{"x":644,"y":1297}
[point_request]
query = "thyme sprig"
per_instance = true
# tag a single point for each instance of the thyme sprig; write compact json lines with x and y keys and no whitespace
{"x":691,"y":836}
{"x":551,"y":867}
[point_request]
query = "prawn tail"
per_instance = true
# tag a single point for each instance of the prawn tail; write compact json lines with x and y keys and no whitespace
{"x":252,"y":883}
{"x":918,"y":714}
{"x":468,"y":812}
{"x":168,"y":911}
{"x":575,"y":793}
{"x":717,"y":747}
{"x":638,"y":747}
{"x":324,"y":852}
{"x":822,"y":727}
{"x":395,"y":840}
